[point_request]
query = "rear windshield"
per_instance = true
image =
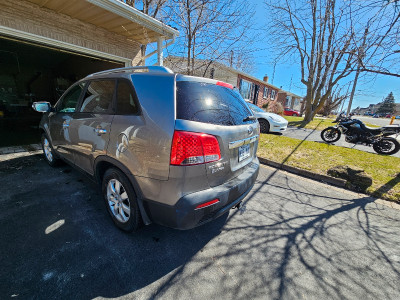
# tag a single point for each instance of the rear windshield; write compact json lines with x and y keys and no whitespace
{"x":210,"y":103}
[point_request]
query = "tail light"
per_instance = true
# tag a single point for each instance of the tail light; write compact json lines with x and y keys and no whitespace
{"x":192,"y":148}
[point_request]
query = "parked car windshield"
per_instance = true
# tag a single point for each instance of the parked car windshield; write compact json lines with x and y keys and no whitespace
{"x":255,"y":108}
{"x":210,"y":103}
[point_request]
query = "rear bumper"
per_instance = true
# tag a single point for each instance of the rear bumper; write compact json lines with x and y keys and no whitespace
{"x":183,"y":214}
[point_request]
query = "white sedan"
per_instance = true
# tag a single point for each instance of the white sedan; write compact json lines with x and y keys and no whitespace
{"x":269,"y":122}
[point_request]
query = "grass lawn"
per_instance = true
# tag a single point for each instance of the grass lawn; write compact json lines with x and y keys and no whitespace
{"x":317,"y":123}
{"x":319,"y":157}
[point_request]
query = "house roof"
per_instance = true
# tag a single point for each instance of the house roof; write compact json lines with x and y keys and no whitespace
{"x":289,"y":94}
{"x":114,"y":16}
{"x":226,"y":68}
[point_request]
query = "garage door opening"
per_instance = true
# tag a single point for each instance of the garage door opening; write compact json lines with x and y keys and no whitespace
{"x":30,"y":73}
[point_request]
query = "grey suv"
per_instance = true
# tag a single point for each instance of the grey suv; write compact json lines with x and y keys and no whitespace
{"x":166,"y":148}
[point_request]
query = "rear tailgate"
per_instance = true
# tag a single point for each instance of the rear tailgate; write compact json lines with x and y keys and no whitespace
{"x":205,"y":106}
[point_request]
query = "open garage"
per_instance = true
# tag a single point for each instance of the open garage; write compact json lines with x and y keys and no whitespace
{"x":45,"y":46}
{"x":30,"y":72}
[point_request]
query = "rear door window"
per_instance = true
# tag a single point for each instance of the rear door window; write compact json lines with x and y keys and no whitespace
{"x":126,"y":99}
{"x":210,"y":103}
{"x":98,"y":97}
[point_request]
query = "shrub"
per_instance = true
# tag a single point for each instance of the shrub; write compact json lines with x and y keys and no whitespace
{"x":275,"y":107}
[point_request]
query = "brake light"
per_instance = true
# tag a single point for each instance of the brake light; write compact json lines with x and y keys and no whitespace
{"x":207,"y":203}
{"x":192,"y":148}
{"x":224,"y":84}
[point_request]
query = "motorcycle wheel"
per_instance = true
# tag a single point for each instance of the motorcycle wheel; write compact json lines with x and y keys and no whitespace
{"x":387,"y":146}
{"x":330,"y":134}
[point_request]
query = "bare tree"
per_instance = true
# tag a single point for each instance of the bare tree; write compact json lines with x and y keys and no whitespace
{"x":149,"y":7}
{"x":382,"y":48}
{"x":314,"y":33}
{"x":153,"y":8}
{"x":337,"y":97}
{"x":212,"y":30}
{"x":330,"y":39}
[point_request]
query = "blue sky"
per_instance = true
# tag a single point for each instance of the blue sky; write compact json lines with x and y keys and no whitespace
{"x":370,"y":90}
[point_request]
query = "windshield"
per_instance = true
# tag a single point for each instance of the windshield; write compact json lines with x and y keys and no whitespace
{"x":255,"y":108}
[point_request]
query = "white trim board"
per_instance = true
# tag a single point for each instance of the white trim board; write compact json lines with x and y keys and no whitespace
{"x":62,"y":45}
{"x":136,"y":16}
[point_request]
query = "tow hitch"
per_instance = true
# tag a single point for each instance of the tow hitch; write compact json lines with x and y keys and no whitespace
{"x":240,"y":206}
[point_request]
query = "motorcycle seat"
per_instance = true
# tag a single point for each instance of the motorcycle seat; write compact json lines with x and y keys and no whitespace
{"x":388,"y":128}
{"x":374,"y":130}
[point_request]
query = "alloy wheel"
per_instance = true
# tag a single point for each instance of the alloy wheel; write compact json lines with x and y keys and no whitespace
{"x":118,"y":201}
{"x":47,"y":150}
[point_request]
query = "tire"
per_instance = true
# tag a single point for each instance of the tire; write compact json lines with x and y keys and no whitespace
{"x":49,"y":154}
{"x":330,"y":134}
{"x":264,"y":126}
{"x":387,"y":146}
{"x":120,"y":199}
{"x":295,"y":115}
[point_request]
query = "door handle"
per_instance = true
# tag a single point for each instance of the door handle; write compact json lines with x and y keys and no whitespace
{"x":100,"y":131}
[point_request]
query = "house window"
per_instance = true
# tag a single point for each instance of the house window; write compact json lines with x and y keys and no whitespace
{"x":287,"y":102}
{"x":273,"y":92}
{"x":265,"y":93}
{"x":245,"y":89}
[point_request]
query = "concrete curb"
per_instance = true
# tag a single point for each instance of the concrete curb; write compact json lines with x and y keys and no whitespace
{"x":341,"y":183}
{"x":324,"y":178}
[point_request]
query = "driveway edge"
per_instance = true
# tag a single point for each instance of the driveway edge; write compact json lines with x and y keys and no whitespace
{"x":324,"y":178}
{"x":341,"y":183}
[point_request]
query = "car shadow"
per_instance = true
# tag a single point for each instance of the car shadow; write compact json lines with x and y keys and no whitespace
{"x":56,"y":238}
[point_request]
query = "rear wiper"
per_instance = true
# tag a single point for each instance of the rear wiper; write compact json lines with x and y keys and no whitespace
{"x":249,"y":118}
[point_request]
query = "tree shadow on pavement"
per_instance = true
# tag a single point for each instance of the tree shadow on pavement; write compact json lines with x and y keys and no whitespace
{"x":302,"y":124}
{"x":295,"y":240}
{"x":334,"y":248}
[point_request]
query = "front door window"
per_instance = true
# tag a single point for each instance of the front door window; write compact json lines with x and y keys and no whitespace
{"x":70,"y":100}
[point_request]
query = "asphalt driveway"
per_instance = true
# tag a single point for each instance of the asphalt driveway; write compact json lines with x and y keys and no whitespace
{"x":297,"y":239}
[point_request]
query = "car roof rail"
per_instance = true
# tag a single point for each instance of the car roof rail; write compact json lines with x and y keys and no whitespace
{"x":151,"y":69}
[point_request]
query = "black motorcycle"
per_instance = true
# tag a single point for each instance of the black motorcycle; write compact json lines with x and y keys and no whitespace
{"x":356,"y":132}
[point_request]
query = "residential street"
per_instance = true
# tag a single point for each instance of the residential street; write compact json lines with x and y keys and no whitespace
{"x":376,"y":121}
{"x":297,"y":239}
{"x":315,"y":135}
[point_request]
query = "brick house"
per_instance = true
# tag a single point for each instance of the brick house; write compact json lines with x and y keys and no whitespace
{"x":252,"y":89}
{"x":290,"y":100}
{"x":45,"y":46}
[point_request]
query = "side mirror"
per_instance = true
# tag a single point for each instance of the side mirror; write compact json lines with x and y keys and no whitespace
{"x":41,"y":106}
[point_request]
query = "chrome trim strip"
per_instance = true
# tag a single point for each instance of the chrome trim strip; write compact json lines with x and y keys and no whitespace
{"x":239,"y":143}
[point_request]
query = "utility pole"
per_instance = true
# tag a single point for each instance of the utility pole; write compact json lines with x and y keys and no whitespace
{"x":360,"y":57}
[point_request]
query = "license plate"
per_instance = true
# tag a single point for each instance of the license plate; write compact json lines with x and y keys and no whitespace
{"x":244,"y":152}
